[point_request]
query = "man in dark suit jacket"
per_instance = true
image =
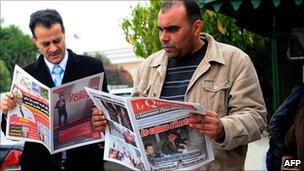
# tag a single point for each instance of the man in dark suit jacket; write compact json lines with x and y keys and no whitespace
{"x":48,"y":35}
{"x":61,"y":107}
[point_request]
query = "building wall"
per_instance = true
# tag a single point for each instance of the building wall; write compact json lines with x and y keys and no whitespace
{"x":131,"y":67}
{"x":124,"y":57}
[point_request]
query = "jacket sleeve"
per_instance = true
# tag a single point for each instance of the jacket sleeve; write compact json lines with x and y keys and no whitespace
{"x":283,"y":118}
{"x":3,"y":123}
{"x":105,"y":81}
{"x":56,"y":106}
{"x":246,"y":114}
{"x":135,"y":92}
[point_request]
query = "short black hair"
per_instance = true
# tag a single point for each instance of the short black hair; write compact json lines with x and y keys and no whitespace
{"x":46,"y":18}
{"x":148,"y":145}
{"x":193,"y":11}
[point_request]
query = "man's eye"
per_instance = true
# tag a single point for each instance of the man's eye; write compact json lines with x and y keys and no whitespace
{"x":173,"y":29}
{"x":56,"y":41}
{"x":45,"y":44}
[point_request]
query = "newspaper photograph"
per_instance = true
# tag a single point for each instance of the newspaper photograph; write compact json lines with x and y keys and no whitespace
{"x":71,"y":110}
{"x":161,"y":138}
{"x":121,"y":144}
{"x":59,"y":117}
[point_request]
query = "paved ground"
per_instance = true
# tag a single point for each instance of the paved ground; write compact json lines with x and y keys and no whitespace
{"x":255,"y":160}
{"x":256,"y":155}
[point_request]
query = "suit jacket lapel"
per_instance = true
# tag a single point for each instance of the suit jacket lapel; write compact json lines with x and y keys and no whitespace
{"x":42,"y":72}
{"x":73,"y":69}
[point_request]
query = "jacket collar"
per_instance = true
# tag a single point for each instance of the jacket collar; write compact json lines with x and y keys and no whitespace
{"x":160,"y":63}
{"x":62,"y":64}
{"x":161,"y":59}
{"x":72,"y":69}
{"x":213,"y":54}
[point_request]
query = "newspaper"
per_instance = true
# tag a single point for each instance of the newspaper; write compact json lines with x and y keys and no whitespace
{"x":152,"y":134}
{"x":59,"y":117}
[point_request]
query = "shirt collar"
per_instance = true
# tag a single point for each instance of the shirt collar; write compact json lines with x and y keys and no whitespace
{"x":62,"y":64}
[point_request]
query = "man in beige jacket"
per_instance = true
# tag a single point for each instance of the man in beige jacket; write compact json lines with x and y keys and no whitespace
{"x":193,"y":67}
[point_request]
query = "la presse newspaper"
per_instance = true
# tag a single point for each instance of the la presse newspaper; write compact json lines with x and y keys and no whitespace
{"x":59,"y":117}
{"x":152,"y":134}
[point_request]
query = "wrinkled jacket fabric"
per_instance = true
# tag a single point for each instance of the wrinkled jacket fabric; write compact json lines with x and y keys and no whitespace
{"x":226,"y":82}
{"x":280,"y":122}
{"x":294,"y":139}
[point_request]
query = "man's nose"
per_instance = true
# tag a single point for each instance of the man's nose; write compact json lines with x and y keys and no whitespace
{"x":53,"y":48}
{"x":164,"y":37}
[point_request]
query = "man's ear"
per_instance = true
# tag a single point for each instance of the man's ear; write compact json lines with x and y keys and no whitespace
{"x":197,"y":27}
{"x":35,"y":42}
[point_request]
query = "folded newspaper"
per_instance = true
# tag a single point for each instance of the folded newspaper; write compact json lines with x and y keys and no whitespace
{"x":152,"y":134}
{"x":59,"y":117}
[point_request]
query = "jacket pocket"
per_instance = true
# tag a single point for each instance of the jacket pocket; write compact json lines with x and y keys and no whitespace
{"x":210,"y":86}
{"x":216,"y":96}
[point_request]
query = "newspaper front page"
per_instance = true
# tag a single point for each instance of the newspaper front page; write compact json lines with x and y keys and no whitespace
{"x":59,"y":117}
{"x":152,"y":134}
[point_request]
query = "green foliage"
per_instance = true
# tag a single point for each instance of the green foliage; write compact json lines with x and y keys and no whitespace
{"x":224,"y":29}
{"x":16,"y":47}
{"x":4,"y":77}
{"x":140,"y":30}
{"x":114,"y":73}
{"x":100,"y":56}
{"x":115,"y":76}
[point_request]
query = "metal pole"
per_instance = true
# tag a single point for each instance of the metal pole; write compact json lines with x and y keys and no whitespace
{"x":275,"y":70}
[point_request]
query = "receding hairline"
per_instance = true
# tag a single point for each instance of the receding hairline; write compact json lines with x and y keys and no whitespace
{"x":171,"y":5}
{"x":190,"y":7}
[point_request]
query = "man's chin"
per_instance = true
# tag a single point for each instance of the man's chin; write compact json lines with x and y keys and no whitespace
{"x":171,"y":55}
{"x":55,"y":59}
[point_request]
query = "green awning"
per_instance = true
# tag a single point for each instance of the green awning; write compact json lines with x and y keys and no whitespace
{"x":264,"y":17}
{"x":271,"y":18}
{"x":236,"y":3}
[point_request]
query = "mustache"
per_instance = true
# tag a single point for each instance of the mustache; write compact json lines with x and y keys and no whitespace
{"x":167,"y":45}
{"x":54,"y":53}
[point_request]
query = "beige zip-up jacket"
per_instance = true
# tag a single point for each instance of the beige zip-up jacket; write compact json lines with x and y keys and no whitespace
{"x":225,"y":82}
